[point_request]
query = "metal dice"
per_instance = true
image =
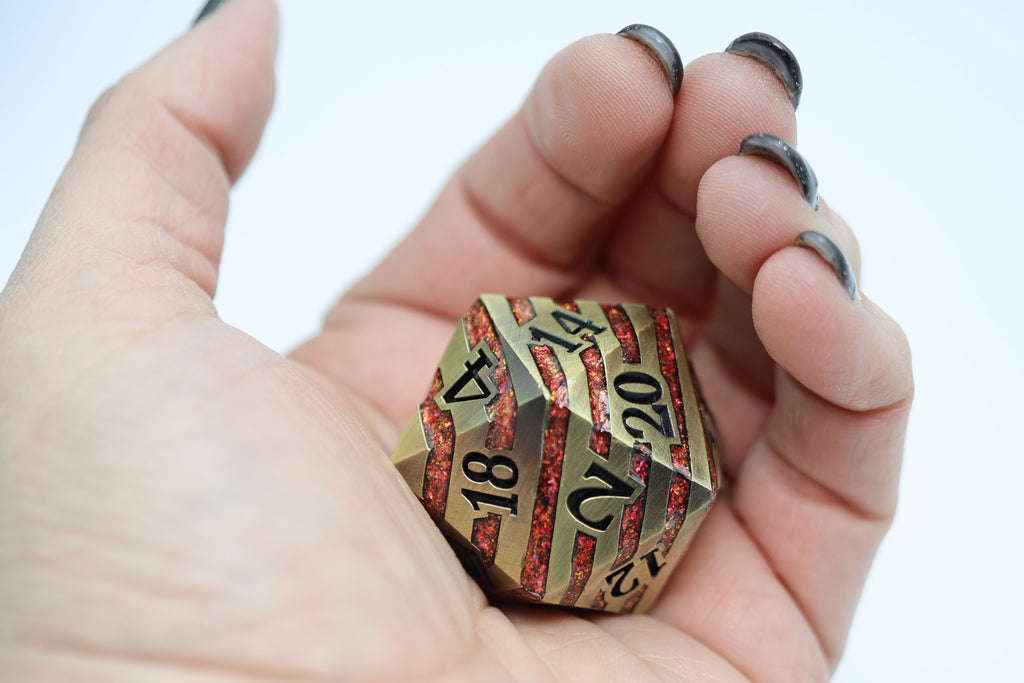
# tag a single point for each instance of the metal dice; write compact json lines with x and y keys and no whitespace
{"x":564,"y":451}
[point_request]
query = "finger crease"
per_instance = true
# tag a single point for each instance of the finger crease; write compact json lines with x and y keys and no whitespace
{"x":510,"y":237}
{"x":816,"y":633}
{"x":825,"y":492}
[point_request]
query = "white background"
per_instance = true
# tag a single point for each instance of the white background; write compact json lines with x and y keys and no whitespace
{"x":912,"y":116}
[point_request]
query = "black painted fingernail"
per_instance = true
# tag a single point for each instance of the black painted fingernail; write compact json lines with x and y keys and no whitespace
{"x":781,"y":152}
{"x":658,"y":44}
{"x":771,"y":52}
{"x":830,"y":251}
{"x":208,"y":9}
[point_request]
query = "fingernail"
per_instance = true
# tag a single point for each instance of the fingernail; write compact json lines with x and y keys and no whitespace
{"x":830,"y":251}
{"x":208,"y":9}
{"x":771,"y":52}
{"x":781,"y":152}
{"x":658,"y":44}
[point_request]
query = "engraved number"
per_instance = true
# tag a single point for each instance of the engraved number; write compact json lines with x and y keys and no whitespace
{"x":616,"y":489}
{"x":456,"y":392}
{"x":633,"y":378}
{"x":652,"y":569}
{"x":490,"y":475}
{"x":540,"y":335}
{"x":626,"y":386}
{"x":477,"y":498}
{"x":661,"y":410}
{"x":572,"y":324}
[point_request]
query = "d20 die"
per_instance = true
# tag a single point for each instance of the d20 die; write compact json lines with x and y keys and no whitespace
{"x":564,"y":451}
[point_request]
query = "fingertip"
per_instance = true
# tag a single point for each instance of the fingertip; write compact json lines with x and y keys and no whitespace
{"x":232,"y":73}
{"x":849,"y":352}
{"x":661,"y":48}
{"x":748,"y":208}
{"x":825,"y":247}
{"x":723,"y":100}
{"x":148,"y":182}
{"x":599,"y":112}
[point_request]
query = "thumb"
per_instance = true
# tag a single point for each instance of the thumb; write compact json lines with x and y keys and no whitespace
{"x":140,"y":207}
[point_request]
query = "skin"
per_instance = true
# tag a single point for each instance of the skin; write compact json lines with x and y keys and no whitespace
{"x":179,"y":502}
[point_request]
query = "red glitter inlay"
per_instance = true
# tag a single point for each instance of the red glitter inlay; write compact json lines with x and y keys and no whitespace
{"x":520,"y":595}
{"x":633,"y":515}
{"x":678,"y":498}
{"x":582,"y":565}
{"x":569,"y":305}
{"x":622,"y":326}
{"x":670,"y":371}
{"x":485,"y":536}
{"x":522,"y":309}
{"x":709,"y":441}
{"x":599,"y":601}
{"x":597,"y":383}
{"x":439,"y":432}
{"x":630,"y":604}
{"x":501,"y":411}
{"x":679,"y":488}
{"x":538,"y":549}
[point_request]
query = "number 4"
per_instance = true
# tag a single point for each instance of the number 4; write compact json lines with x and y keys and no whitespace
{"x":456,"y":394}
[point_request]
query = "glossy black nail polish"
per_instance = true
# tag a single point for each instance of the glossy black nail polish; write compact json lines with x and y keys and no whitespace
{"x":771,"y":52}
{"x":782,"y":153}
{"x":658,"y":44}
{"x":208,"y":9}
{"x":830,"y":252}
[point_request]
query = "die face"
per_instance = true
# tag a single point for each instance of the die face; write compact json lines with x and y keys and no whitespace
{"x":564,"y":451}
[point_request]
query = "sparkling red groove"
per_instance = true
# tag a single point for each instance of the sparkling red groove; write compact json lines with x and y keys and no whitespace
{"x":439,"y":432}
{"x":582,"y":566}
{"x":501,"y":411}
{"x":522,"y":309}
{"x":538,"y":549}
{"x":624,"y":332}
{"x":597,"y":384}
{"x":679,"y":488}
{"x":630,"y":605}
{"x":569,"y":305}
{"x":633,"y":515}
{"x":485,"y":536}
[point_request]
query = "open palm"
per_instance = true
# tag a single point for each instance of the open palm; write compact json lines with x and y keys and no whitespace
{"x":178,"y":502}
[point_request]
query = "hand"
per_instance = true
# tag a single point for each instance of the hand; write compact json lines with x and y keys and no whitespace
{"x":179,"y":502}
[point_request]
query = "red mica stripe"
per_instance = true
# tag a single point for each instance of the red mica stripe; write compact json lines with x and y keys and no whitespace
{"x":485,"y":536}
{"x":597,"y":383}
{"x":439,"y":432}
{"x":709,"y":442}
{"x":633,"y":515}
{"x":522,"y":309}
{"x":670,"y":371}
{"x":678,"y":498}
{"x":599,"y":601}
{"x":538,"y":549}
{"x":501,"y":411}
{"x":569,"y":305}
{"x":582,"y":566}
{"x":520,"y":595}
{"x":679,"y":487}
{"x":622,"y":326}
{"x":630,"y":605}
